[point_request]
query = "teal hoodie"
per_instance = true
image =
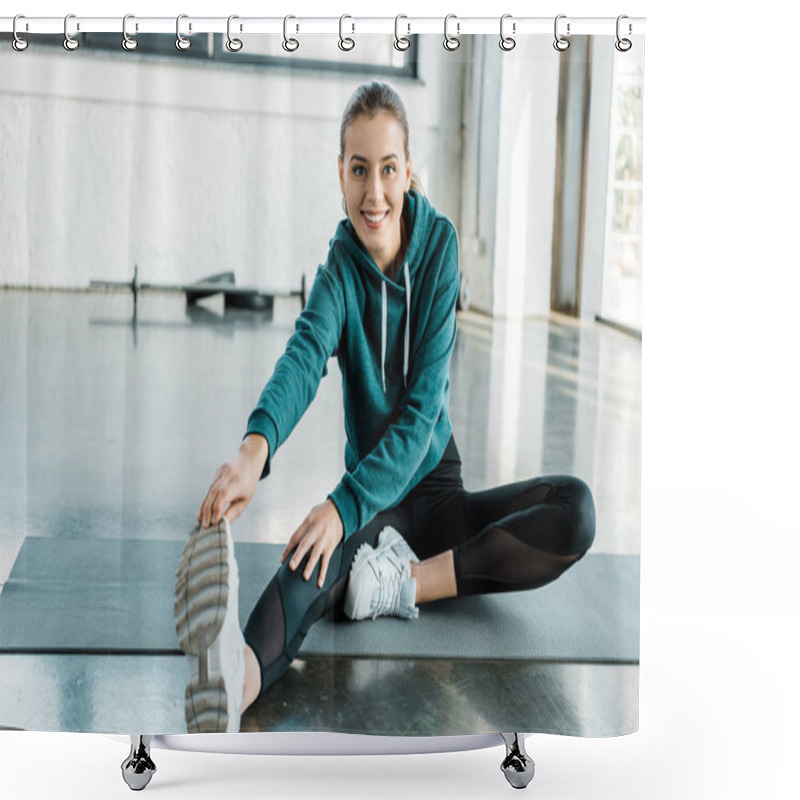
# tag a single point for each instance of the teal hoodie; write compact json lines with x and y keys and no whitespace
{"x":393,"y":340}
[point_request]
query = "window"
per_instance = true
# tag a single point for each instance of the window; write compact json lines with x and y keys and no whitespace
{"x":622,"y":263}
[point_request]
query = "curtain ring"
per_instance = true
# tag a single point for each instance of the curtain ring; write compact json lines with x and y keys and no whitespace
{"x":507,"y":42}
{"x":345,"y":42}
{"x":233,"y":45}
{"x":451,"y":42}
{"x":561,"y":43}
{"x":128,"y":42}
{"x":19,"y":44}
{"x":182,"y":43}
{"x":288,"y":44}
{"x":70,"y":42}
{"x":623,"y":45}
{"x":401,"y":42}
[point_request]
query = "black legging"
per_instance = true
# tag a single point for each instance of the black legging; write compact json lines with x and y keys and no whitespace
{"x":518,"y":536}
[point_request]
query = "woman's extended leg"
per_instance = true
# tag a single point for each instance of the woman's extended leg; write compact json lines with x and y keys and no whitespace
{"x":289,"y":606}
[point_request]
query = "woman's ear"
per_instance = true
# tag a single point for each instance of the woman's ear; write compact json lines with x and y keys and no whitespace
{"x":408,"y":173}
{"x":341,"y":174}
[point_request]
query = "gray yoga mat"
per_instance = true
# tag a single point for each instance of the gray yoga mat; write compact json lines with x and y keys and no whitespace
{"x":115,"y":596}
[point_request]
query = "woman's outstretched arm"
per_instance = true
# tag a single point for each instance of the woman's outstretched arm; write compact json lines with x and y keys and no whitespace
{"x":298,"y":372}
{"x":235,"y":482}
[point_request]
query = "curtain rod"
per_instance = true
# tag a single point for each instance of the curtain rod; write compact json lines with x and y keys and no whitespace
{"x":406,"y":25}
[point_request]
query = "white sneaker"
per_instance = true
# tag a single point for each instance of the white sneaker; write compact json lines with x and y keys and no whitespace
{"x":207,"y":624}
{"x":380,"y":580}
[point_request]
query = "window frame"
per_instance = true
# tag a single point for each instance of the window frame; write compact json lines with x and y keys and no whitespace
{"x":215,"y":53}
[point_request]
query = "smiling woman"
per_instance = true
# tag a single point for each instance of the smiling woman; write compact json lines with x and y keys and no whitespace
{"x":400,"y":529}
{"x":375,"y":171}
{"x":374,"y":185}
{"x":497,"y":608}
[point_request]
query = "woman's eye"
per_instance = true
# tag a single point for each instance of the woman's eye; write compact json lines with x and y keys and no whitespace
{"x":358,"y":170}
{"x":389,"y":167}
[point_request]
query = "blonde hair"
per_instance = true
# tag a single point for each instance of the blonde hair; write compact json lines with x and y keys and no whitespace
{"x":370,"y":99}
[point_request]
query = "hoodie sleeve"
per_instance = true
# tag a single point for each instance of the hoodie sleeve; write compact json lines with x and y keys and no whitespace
{"x":302,"y":366}
{"x":381,"y":478}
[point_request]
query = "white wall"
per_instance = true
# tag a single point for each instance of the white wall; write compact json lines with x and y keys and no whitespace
{"x":509,"y":173}
{"x":188,"y":168}
{"x":510,"y":122}
{"x":596,"y":186}
{"x":479,"y":167}
{"x":526,"y":164}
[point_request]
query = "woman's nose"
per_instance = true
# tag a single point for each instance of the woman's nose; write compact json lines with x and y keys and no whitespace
{"x":374,"y":186}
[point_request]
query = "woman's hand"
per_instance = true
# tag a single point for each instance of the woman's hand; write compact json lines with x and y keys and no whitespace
{"x":319,"y":535}
{"x":235,"y":482}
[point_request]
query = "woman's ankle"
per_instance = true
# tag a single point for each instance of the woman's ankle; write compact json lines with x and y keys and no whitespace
{"x":252,"y":678}
{"x":435,"y":578}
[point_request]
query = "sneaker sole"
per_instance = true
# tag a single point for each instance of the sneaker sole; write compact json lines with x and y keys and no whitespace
{"x":201,"y":602}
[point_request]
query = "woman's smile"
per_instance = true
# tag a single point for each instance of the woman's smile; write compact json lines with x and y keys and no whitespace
{"x":375,"y":219}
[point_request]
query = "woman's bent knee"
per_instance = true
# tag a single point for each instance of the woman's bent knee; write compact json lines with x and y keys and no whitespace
{"x":584,"y":516}
{"x":575,"y":497}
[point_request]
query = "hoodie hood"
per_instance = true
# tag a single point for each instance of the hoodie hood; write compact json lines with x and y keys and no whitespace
{"x":418,"y":217}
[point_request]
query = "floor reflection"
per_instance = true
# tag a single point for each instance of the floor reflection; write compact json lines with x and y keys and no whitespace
{"x":123,"y":694}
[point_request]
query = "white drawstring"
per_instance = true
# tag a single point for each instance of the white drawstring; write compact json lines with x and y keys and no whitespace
{"x":383,"y":335}
{"x":407,"y":336}
{"x":408,"y":319}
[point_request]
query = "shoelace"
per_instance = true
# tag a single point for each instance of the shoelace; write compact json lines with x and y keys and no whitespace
{"x":391,"y":574}
{"x":388,"y":599}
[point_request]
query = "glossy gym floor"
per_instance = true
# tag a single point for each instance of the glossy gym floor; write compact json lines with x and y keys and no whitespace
{"x":112,"y":426}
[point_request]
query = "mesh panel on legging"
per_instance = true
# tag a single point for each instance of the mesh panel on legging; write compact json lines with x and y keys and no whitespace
{"x":532,"y":532}
{"x":265,"y":633}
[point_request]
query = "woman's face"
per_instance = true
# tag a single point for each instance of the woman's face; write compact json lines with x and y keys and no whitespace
{"x":373,"y":176}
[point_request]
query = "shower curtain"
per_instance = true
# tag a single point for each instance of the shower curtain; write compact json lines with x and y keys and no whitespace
{"x":132,"y":180}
